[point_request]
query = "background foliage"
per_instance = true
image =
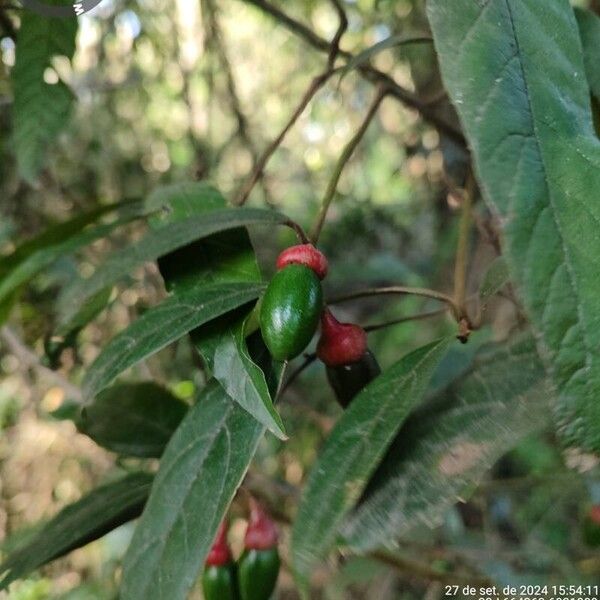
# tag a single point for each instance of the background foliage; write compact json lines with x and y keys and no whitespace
{"x":110,"y":127}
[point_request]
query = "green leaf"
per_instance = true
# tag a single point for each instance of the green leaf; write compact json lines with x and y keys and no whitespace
{"x":163,"y":324}
{"x":589,"y":32}
{"x":40,"y":110}
{"x":391,"y":42}
{"x":34,"y":255}
{"x":495,"y":278}
{"x":200,"y":471}
{"x":229,"y":361}
{"x":132,"y":419}
{"x":222,"y":257}
{"x":445,"y":449}
{"x":515,"y":73}
{"x":354,"y":448}
{"x":159,"y":242}
{"x":88,"y":519}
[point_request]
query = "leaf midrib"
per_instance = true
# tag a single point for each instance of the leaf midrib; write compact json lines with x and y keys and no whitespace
{"x":551,"y":201}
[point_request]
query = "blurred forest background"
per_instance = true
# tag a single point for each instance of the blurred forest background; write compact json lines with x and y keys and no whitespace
{"x":173,"y":90}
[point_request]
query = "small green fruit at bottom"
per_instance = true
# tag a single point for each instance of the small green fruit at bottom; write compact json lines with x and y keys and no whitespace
{"x":257,"y":573}
{"x":219,"y":579}
{"x":259,"y":564}
{"x":220,"y":582}
{"x":290,"y":311}
{"x":349,"y":380}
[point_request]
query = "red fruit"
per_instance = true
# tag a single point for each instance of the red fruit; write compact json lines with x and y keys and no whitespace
{"x":219,"y":553}
{"x":304,"y":254}
{"x":262,"y":531}
{"x":594,"y":514}
{"x":340,"y":343}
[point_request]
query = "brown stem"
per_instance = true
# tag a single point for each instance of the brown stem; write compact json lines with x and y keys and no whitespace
{"x":308,"y":360}
{"x":300,"y":233}
{"x":243,"y":129}
{"x":368,"y":72}
{"x":415,"y":317}
{"x":313,"y":88}
{"x":462,"y":248}
{"x":342,"y":161}
{"x":398,"y":289}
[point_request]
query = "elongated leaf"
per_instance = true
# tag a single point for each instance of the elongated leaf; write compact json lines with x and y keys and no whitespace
{"x":589,"y":32}
{"x":34,"y":255}
{"x":201,"y":468}
{"x":222,"y":257}
{"x":495,"y":278}
{"x":133,"y":419}
{"x":353,"y":450}
{"x":40,"y":110}
{"x":163,"y":324}
{"x":446,"y":448}
{"x":227,"y":357}
{"x":88,"y":519}
{"x":391,"y":42}
{"x":158,"y":243}
{"x":515,"y":72}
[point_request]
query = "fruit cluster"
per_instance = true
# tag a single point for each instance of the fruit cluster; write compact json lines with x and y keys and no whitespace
{"x":254,"y":575}
{"x":289,"y":315}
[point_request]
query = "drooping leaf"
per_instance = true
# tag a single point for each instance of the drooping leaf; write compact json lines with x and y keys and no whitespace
{"x":159,"y":242}
{"x":526,"y":111}
{"x":353,"y":450}
{"x":229,"y":361}
{"x":88,"y":519}
{"x":34,"y":255}
{"x":444,"y":449}
{"x":391,"y":42}
{"x":163,"y":324}
{"x":200,"y":470}
{"x":40,"y":110}
{"x":135,"y":419}
{"x":589,"y":32}
{"x":222,"y":257}
{"x":494,"y":279}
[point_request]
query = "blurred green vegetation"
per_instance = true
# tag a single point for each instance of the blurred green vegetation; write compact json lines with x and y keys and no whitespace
{"x":168,"y":91}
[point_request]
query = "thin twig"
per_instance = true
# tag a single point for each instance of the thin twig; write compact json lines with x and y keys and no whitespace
{"x":416,"y":317}
{"x":315,"y":85}
{"x":462,"y":248}
{"x":308,"y":360}
{"x":397,"y":289}
{"x":300,"y":233}
{"x":30,"y":359}
{"x":334,"y":47}
{"x":243,"y":128}
{"x":342,"y":161}
{"x":367,"y":71}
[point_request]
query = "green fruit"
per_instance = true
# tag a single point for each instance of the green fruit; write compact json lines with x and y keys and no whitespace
{"x":220,"y":582}
{"x":290,"y":311}
{"x":257,"y":573}
{"x":348,"y":380}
